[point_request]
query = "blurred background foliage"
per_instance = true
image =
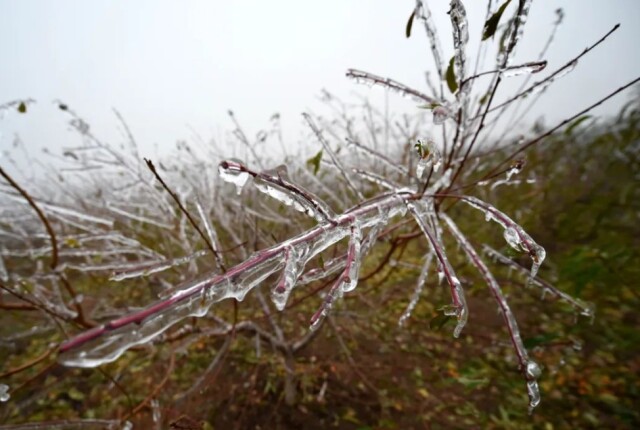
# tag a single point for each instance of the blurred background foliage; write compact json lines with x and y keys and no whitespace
{"x":579,"y":197}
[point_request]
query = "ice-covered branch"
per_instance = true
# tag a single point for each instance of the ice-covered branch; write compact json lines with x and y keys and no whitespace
{"x":529,"y":367}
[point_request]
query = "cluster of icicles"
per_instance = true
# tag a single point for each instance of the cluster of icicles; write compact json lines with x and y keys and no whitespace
{"x":361,"y":225}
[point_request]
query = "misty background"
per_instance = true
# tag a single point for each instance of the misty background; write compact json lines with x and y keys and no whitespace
{"x":174,"y":69}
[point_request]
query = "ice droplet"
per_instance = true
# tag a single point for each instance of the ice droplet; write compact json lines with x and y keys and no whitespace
{"x":232,"y":171}
{"x":577,"y":345}
{"x":4,"y":393}
{"x":294,"y":263}
{"x":512,"y":238}
{"x":533,"y":370}
{"x":155,"y":408}
{"x":428,"y":154}
{"x":440,"y":115}
{"x":534,"y":395}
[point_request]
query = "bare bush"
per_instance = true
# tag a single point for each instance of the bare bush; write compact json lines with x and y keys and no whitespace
{"x":108,"y":222}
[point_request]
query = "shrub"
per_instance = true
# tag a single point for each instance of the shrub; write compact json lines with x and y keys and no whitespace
{"x":118,"y":234}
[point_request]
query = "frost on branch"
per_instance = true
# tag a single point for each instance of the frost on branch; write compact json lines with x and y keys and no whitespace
{"x":370,"y":175}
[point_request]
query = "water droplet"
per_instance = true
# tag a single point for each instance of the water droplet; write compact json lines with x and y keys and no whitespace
{"x":233,"y":171}
{"x":4,"y":393}
{"x":533,"y":370}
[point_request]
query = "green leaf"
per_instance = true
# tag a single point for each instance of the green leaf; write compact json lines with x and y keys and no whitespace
{"x":484,"y":99}
{"x":491,"y":25}
{"x":576,"y":123}
{"x":315,"y":162}
{"x":439,"y":321}
{"x":451,"y":77}
{"x":22,"y":107}
{"x":410,"y":24}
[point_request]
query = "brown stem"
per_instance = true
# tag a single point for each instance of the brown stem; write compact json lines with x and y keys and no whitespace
{"x":183,"y":210}
{"x":34,"y":206}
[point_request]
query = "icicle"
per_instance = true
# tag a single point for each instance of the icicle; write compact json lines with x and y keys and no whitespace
{"x":417,"y":292}
{"x":294,"y":263}
{"x":353,"y":259}
{"x":211,"y":233}
{"x":155,"y":410}
{"x":233,"y":171}
{"x":4,"y":275}
{"x":532,"y":373}
{"x":4,"y":393}
{"x":347,"y":281}
{"x":459,"y":306}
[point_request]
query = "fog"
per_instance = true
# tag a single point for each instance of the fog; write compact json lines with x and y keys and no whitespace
{"x":173,"y":69}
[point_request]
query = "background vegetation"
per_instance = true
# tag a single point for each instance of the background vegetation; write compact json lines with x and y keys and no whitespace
{"x":122,"y":244}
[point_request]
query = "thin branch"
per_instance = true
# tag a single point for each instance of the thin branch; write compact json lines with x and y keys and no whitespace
{"x":43,"y":218}
{"x":182,"y":208}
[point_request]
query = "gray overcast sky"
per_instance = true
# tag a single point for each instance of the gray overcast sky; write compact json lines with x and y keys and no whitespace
{"x":171,"y":65}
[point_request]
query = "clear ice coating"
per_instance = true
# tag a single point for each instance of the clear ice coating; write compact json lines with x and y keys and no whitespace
{"x":440,"y":114}
{"x":232,"y":172}
{"x":586,"y":309}
{"x":295,"y":260}
{"x":418,"y":290}
{"x":155,"y":408}
{"x":353,"y":259}
{"x":429,"y":155}
{"x":514,"y":235}
{"x":420,"y":213}
{"x":534,"y":394}
{"x":348,"y":279}
{"x":524,"y":69}
{"x":4,"y":393}
{"x":105,"y":343}
{"x":423,"y":12}
{"x":458,"y":16}
{"x":354,"y":145}
{"x":498,"y":295}
{"x":129,"y":270}
{"x":276,"y":184}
